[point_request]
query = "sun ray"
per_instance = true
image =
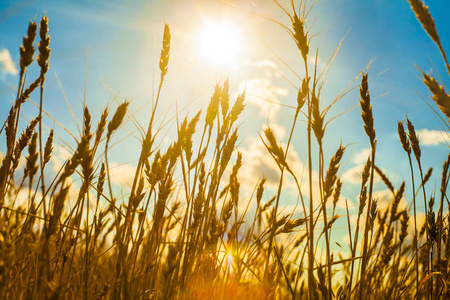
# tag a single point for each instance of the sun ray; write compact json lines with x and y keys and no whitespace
{"x":220,"y":43}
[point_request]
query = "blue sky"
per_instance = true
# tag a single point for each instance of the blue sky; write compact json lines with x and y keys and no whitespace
{"x":122,"y":40}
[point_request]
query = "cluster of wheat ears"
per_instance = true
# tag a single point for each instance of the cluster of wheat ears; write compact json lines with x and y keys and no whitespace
{"x":182,"y":233}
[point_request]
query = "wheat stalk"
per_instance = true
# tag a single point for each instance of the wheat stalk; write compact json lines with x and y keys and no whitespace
{"x":427,"y":22}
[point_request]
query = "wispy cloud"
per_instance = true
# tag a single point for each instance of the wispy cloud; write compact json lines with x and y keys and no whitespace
{"x":353,"y":175}
{"x":122,"y":174}
{"x":261,"y":91}
{"x":7,"y":65}
{"x":263,"y":94}
{"x":270,"y":68}
{"x":258,"y":164}
{"x":361,"y":157}
{"x":433,"y":137}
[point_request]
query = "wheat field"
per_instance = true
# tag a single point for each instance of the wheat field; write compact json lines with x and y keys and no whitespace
{"x":185,"y":231}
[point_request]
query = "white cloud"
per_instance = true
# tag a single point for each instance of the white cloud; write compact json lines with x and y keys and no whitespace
{"x":312,"y":62}
{"x":59,"y":157}
{"x":122,"y":174}
{"x":261,"y":93}
{"x":385,"y":199}
{"x":361,"y":157}
{"x":433,"y":137}
{"x":295,"y":210}
{"x":267,"y":63}
{"x":353,"y":175}
{"x":21,"y":199}
{"x":269,"y":67}
{"x":258,"y":163}
{"x":7,"y":66}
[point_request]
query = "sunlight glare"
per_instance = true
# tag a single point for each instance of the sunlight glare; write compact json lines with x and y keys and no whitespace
{"x":220,"y":43}
{"x":229,"y":259}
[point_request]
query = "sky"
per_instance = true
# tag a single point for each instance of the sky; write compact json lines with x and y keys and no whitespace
{"x":106,"y":52}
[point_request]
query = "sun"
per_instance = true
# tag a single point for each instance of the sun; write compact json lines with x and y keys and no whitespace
{"x":219,"y":43}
